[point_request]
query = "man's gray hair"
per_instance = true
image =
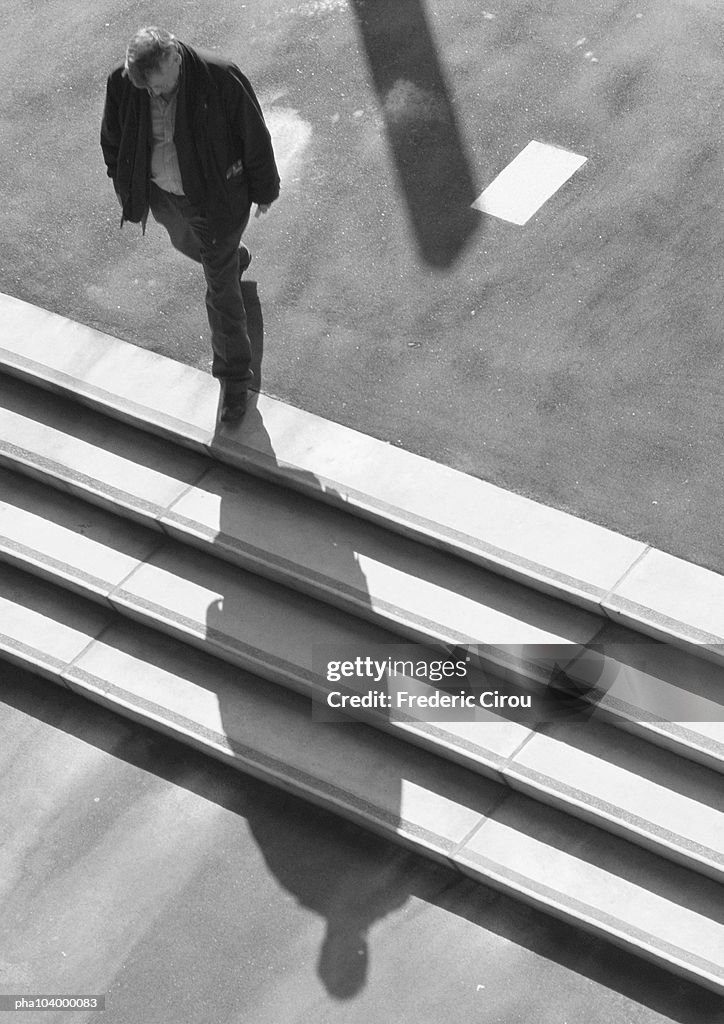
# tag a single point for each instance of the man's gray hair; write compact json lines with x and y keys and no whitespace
{"x":146,"y":52}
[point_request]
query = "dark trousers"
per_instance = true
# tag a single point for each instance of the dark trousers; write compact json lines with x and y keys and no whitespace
{"x":219,"y":257}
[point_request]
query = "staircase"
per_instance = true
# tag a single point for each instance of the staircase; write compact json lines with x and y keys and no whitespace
{"x":199,"y":579}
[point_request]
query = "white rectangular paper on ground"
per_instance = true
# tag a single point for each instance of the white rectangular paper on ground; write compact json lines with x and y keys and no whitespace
{"x":531,"y":178}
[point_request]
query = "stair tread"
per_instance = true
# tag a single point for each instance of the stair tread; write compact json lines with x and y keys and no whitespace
{"x":283,"y":534}
{"x":42,"y":626}
{"x":236,"y":615}
{"x":79,"y":449}
{"x":59,"y":535}
{"x":570,"y":871}
{"x":418,"y":591}
{"x":657,"y":597}
{"x":643,"y":789}
{"x":418,"y":587}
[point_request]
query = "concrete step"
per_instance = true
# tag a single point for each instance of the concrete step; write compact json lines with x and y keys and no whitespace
{"x":586,"y":769}
{"x":669,"y":697}
{"x":638,"y":900}
{"x":423,"y":594}
{"x":659,"y":693}
{"x":543,"y":548}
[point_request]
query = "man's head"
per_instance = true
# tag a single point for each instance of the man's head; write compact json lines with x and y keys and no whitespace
{"x":153,"y":61}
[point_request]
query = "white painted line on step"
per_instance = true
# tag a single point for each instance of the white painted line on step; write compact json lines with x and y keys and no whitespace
{"x":529,"y":180}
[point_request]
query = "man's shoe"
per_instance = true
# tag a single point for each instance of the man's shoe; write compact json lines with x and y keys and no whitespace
{"x":244,"y":259}
{"x":233,"y":404}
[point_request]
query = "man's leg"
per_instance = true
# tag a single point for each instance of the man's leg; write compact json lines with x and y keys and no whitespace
{"x":225,"y":309}
{"x":176,"y":214}
{"x":219,"y":257}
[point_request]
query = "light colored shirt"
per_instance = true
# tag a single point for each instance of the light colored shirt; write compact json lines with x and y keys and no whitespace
{"x":165,"y":171}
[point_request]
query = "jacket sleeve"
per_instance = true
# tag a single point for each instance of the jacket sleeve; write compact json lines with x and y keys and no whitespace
{"x":111,"y":131}
{"x":250,"y":136}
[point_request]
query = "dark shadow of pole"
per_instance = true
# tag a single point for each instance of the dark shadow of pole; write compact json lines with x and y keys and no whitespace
{"x":421,"y":126}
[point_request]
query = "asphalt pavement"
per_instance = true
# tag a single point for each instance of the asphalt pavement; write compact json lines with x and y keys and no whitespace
{"x":575,"y":359}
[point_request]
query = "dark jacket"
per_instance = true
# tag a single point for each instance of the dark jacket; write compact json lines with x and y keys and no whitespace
{"x":218,"y":123}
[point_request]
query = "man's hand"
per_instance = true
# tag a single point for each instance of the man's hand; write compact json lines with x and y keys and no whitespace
{"x":262,"y":208}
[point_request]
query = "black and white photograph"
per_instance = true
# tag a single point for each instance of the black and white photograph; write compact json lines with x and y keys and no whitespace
{"x":361,"y":512}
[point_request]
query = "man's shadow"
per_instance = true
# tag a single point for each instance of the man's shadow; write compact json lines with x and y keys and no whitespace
{"x":341,"y":890}
{"x":348,"y":896}
{"x":350,"y":879}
